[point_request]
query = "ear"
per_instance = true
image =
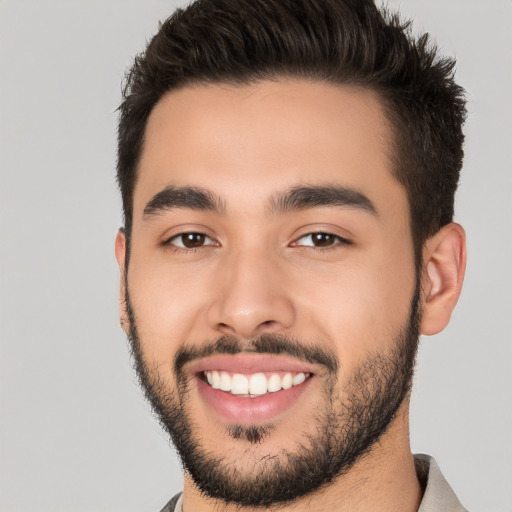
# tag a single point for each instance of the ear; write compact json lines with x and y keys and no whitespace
{"x":444,"y":264}
{"x":121,"y":261}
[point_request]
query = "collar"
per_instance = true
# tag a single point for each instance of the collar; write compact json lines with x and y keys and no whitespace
{"x":438,"y":495}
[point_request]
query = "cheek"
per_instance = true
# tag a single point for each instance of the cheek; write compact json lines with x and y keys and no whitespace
{"x":360,"y":306}
{"x":168,"y":306}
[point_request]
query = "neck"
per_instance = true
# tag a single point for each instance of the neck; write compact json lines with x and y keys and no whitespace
{"x":383,"y":480}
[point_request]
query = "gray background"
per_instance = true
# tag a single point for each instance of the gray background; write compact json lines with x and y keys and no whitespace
{"x":75,"y":434}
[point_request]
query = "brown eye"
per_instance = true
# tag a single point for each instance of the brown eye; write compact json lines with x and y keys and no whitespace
{"x":190,"y":240}
{"x":323,"y":239}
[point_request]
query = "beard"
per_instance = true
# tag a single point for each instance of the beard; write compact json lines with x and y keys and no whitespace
{"x":346,"y":425}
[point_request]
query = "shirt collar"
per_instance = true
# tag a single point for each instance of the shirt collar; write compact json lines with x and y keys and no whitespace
{"x":438,"y":495}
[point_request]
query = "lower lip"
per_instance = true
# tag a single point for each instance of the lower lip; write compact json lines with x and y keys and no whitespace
{"x":243,"y":410}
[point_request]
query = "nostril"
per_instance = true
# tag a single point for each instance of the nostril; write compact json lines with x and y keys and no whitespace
{"x":225,"y":328}
{"x":267,"y":326}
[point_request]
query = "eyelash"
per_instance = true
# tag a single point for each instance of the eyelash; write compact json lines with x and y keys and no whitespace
{"x":338,"y":242}
{"x":168,"y":243}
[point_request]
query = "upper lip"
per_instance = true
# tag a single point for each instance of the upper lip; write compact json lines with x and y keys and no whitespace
{"x":250,"y":363}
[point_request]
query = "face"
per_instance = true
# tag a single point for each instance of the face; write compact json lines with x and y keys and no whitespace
{"x":271,"y":293}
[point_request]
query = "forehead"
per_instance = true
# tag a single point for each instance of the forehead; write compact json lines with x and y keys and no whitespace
{"x":244,"y":143}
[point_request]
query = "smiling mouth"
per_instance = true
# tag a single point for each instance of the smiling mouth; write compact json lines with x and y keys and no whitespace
{"x":255,"y":384}
{"x":251,"y":389}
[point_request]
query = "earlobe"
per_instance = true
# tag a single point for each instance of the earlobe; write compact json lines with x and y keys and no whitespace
{"x":120,"y":248}
{"x":444,"y":264}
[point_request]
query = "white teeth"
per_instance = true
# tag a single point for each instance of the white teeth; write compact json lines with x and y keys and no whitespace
{"x":274,"y":383}
{"x":215,"y":380}
{"x":287,"y":381}
{"x":258,"y":384}
{"x":225,"y":381}
{"x":298,"y":379}
{"x":253,"y":385}
{"x":239,"y":384}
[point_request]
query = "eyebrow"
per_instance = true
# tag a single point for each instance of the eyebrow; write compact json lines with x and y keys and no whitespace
{"x":297,"y":198}
{"x":304,"y":197}
{"x":195,"y":198}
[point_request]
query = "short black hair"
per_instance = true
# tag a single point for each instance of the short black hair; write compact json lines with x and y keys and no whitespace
{"x":336,"y":41}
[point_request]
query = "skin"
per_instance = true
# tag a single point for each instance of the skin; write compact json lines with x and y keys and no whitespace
{"x":259,"y":272}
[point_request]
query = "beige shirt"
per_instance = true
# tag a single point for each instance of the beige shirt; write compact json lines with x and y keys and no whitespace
{"x":437,"y":497}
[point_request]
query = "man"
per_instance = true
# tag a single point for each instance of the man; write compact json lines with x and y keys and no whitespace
{"x":288,"y":171}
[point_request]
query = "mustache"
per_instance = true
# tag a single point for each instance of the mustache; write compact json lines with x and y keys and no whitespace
{"x":274,"y":344}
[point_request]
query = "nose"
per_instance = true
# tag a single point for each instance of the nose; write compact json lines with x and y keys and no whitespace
{"x":252,"y":298}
